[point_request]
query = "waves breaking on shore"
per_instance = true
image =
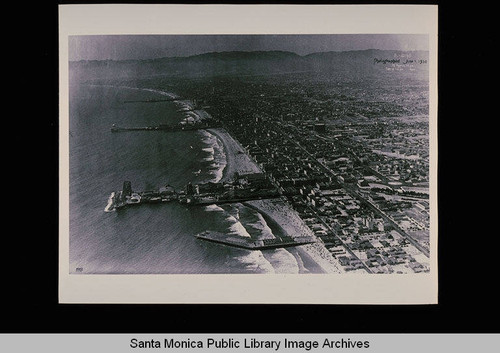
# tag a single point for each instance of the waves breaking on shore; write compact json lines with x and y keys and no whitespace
{"x":213,"y":152}
{"x":219,"y":157}
{"x":282,"y":260}
{"x":247,"y":222}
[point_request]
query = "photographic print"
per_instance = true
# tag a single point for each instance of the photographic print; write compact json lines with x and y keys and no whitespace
{"x":249,"y":154}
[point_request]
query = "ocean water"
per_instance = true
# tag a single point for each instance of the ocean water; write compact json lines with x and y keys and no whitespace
{"x":152,"y":238}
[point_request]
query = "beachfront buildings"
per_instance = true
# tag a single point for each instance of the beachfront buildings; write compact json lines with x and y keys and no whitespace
{"x":355,"y":168}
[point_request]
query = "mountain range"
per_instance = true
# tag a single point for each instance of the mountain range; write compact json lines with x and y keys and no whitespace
{"x":256,"y":62}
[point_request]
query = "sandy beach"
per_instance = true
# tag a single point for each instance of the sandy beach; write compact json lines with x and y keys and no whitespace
{"x":315,"y":256}
{"x":237,"y":161}
{"x":288,"y":219}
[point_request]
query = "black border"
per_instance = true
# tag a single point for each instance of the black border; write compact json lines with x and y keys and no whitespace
{"x":466,"y":299}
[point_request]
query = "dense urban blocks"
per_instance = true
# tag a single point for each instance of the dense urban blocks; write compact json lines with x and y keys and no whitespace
{"x":352,"y":161}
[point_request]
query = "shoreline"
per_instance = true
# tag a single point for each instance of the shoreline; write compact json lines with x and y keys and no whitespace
{"x":307,"y":262}
{"x":315,"y":257}
{"x":237,"y":160}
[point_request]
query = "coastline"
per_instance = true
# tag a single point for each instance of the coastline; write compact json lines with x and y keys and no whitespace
{"x":306,"y":263}
{"x":291,"y":223}
{"x":237,"y":160}
{"x":314,"y":256}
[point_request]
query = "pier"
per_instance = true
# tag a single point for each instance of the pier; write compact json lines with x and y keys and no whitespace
{"x":254,"y":244}
{"x":245,"y":187}
{"x":220,"y":199}
{"x":153,"y":100}
{"x":202,"y":124}
{"x":128,"y":197}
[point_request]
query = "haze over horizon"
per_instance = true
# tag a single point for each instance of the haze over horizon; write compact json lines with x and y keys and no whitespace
{"x":141,"y":47}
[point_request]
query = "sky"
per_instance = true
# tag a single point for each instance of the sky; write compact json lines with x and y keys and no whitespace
{"x":134,"y":47}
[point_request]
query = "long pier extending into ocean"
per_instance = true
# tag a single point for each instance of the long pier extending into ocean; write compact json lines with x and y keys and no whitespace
{"x":244,"y":187}
{"x":153,"y":100}
{"x":254,"y":244}
{"x":212,"y":193}
{"x":202,"y":124}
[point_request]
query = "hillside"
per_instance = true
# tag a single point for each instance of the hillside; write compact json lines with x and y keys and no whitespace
{"x":359,"y":62}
